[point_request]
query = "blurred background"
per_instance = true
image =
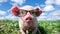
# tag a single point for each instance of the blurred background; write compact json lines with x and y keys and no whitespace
{"x":48,"y":22}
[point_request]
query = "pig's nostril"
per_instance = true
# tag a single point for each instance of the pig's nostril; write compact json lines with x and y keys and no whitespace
{"x":28,"y":18}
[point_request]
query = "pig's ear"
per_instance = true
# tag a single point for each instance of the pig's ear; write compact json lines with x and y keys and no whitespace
{"x":38,"y":11}
{"x":15,"y":10}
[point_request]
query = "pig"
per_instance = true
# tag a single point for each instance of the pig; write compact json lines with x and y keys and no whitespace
{"x":27,"y":18}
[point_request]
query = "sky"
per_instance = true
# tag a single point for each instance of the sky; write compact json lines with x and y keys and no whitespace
{"x":51,"y":8}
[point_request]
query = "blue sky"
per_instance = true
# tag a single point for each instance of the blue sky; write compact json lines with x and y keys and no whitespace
{"x":51,"y":8}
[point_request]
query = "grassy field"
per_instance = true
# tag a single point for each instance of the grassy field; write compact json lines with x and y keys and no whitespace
{"x":45,"y":27}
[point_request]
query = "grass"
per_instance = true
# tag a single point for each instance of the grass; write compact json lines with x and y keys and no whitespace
{"x":45,"y":27}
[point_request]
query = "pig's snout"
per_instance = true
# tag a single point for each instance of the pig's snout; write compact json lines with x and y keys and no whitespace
{"x":27,"y":18}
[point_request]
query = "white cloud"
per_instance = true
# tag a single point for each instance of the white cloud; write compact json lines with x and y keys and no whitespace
{"x":43,"y":14}
{"x":13,"y":4}
{"x":53,"y":18}
{"x":20,"y":2}
{"x":55,"y":13}
{"x":2,"y":12}
{"x":1,"y":18}
{"x":57,"y":2}
{"x":10,"y":16}
{"x":49,"y":2}
{"x":3,"y":1}
{"x":42,"y":5}
{"x":48,"y":8}
{"x":42,"y":17}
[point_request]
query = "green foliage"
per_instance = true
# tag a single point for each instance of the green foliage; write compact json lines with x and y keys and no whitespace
{"x":45,"y":27}
{"x":51,"y":27}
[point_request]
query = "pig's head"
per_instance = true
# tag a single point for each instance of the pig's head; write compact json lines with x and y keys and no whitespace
{"x":27,"y":13}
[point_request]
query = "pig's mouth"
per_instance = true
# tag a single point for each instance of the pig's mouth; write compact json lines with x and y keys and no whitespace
{"x":28,"y":21}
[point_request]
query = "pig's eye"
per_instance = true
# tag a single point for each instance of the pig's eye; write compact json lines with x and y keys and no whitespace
{"x":34,"y":11}
{"x":22,"y":12}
